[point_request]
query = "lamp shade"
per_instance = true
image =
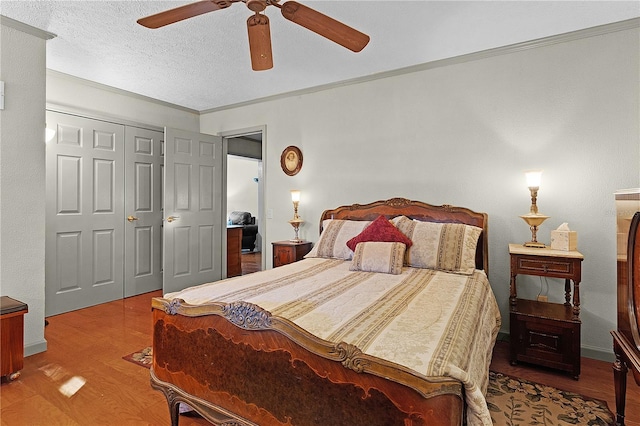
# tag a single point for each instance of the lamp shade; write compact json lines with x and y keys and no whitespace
{"x":295,"y":195}
{"x":533,"y":178}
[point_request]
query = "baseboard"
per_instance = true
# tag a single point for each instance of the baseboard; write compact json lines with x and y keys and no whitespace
{"x":35,"y":348}
{"x":585,"y":351}
{"x":598,"y":353}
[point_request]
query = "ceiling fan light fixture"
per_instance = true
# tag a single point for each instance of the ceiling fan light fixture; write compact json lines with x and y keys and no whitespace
{"x":260,"y":42}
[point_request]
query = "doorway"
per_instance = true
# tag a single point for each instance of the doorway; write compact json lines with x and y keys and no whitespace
{"x":245,"y":192}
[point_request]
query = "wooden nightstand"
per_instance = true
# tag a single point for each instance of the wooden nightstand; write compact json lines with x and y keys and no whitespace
{"x":285,"y":252}
{"x":543,"y":333}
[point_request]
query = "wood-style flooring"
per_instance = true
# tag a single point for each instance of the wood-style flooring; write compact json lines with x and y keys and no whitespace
{"x":89,"y":344}
{"x":251,"y":261}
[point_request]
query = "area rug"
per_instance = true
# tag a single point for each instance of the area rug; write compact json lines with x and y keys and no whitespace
{"x":511,"y":401}
{"x":143,"y":357}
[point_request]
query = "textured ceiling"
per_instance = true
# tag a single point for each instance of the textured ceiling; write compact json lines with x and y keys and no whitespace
{"x":203,"y":62}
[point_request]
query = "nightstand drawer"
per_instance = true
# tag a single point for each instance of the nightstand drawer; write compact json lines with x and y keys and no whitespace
{"x":558,"y":267}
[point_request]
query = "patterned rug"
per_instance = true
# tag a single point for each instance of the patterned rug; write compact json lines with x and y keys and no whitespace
{"x":512,"y":401}
{"x":142,"y":357}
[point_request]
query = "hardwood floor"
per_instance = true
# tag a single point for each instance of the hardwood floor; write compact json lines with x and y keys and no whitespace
{"x":90,"y":343}
{"x":251,"y":262}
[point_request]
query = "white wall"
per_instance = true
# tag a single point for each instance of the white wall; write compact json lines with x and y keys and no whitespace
{"x":463,"y":134}
{"x":70,"y":94}
{"x":242,"y":191}
{"x":22,"y":176}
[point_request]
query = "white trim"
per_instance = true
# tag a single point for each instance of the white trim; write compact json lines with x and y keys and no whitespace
{"x":100,"y":116}
{"x":262,"y":182}
{"x":35,"y":348}
{"x":25,"y":28}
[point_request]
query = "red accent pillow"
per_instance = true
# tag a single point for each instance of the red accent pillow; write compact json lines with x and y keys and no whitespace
{"x":380,"y":230}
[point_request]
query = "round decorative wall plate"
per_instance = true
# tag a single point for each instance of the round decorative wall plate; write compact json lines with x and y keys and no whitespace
{"x":291,"y":160}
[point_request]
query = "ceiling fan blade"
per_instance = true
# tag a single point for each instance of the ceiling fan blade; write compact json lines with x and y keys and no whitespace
{"x":325,"y":26}
{"x":260,"y":42}
{"x":183,"y":12}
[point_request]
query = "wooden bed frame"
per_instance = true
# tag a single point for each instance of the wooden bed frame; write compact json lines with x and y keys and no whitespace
{"x":236,"y":364}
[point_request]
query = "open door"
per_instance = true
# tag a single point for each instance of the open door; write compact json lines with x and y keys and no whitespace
{"x":193,"y":209}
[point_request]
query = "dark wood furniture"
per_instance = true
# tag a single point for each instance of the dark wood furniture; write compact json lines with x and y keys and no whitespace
{"x":274,"y":357}
{"x":544,"y":333}
{"x":285,"y":252}
{"x":249,"y":228}
{"x":234,"y":251}
{"x":12,"y":337}
{"x":626,"y":338}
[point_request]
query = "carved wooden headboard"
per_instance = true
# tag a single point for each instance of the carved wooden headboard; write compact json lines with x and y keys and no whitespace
{"x":419,"y":211}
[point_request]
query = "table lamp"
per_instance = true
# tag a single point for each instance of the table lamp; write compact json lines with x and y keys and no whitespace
{"x":533,"y":218}
{"x":296,"y":221}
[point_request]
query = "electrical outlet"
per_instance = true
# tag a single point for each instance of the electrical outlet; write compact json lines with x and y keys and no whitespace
{"x":542,"y":298}
{"x":269,"y":213}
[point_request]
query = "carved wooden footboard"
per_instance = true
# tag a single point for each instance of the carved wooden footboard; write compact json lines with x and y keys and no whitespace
{"x":237,"y":364}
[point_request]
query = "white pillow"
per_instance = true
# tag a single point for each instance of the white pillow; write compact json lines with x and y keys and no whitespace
{"x":449,"y":247}
{"x":335,"y":234}
{"x":378,"y":256}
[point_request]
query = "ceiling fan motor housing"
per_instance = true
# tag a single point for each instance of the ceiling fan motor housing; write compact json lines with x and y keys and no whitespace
{"x":256,"y":5}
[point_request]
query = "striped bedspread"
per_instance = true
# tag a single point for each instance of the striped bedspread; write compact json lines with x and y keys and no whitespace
{"x":436,"y":323}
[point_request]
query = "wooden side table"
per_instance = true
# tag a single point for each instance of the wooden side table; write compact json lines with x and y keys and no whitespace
{"x":12,"y":334}
{"x":285,"y":252}
{"x":544,"y":333}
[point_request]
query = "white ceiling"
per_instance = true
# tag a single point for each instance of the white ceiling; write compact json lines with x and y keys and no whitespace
{"x":203,"y":63}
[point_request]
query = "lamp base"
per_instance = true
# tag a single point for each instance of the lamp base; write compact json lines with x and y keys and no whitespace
{"x":534,"y":244}
{"x":296,"y":240}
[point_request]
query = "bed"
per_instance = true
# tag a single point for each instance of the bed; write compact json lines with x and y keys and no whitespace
{"x":343,"y":337}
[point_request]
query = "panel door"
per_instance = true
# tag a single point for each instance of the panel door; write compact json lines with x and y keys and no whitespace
{"x":144,"y":161}
{"x":193,"y":209}
{"x":84,"y":212}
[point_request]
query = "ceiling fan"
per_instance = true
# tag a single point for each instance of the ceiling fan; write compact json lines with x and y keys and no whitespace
{"x":258,"y":25}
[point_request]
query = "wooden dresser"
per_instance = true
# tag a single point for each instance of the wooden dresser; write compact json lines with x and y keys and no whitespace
{"x":626,"y":338}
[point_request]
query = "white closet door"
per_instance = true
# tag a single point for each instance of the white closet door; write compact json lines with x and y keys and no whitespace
{"x":85,"y":210}
{"x":144,"y":159}
{"x":193,"y":209}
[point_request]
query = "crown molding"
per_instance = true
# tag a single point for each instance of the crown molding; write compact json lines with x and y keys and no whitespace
{"x":498,"y":51}
{"x":20,"y":26}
